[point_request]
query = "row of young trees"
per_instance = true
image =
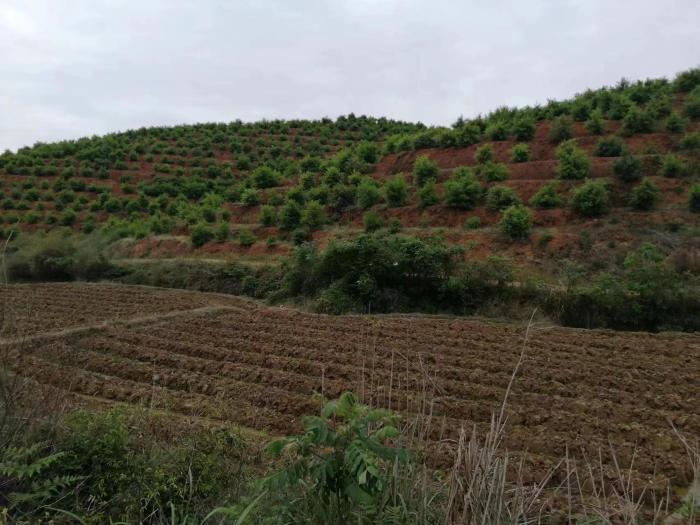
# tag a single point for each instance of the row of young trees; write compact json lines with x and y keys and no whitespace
{"x":642,"y":107}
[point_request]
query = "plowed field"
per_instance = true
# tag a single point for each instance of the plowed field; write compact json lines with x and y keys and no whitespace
{"x":226,"y":358}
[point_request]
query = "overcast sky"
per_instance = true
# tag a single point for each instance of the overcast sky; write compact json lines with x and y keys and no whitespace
{"x":75,"y":68}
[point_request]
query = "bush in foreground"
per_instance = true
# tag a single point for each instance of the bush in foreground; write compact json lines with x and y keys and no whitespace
{"x":339,"y":467}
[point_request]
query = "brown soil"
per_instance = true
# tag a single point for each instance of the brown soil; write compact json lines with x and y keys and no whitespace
{"x":261,"y":367}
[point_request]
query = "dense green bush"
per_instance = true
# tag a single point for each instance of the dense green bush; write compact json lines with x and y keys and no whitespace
{"x":524,"y":128}
{"x":516,"y":222}
{"x":251,"y":197}
{"x":123,"y":474}
{"x":268,"y":216}
{"x":396,"y":191}
{"x":368,"y":193}
{"x":313,"y":216}
{"x":628,"y":168}
{"x":497,"y":131}
{"x":246,"y":238}
{"x":592,"y":199}
{"x":341,"y":197}
{"x":573,"y":161}
{"x":372,"y":221}
{"x":340,"y":468}
{"x":501,"y":197}
{"x":463,"y":191}
{"x":687,"y":80}
{"x":673,"y":166}
{"x":58,"y":256}
{"x":424,"y":169}
{"x":520,"y":153}
{"x":382,"y":272}
{"x":112,"y":205}
{"x":484,"y":154}
{"x":394,"y":225}
{"x":547,"y":197}
{"x":595,"y":125}
{"x":368,"y":152}
{"x":68,"y":217}
{"x":675,"y":123}
{"x":645,"y":196}
{"x":691,"y":141}
{"x":694,"y":198}
{"x":200,"y":234}
{"x":691,"y":109}
{"x":638,"y":121}
{"x":427,"y":196}
{"x":618,"y":106}
{"x":562,"y":129}
{"x":610,"y":146}
{"x":644,"y":293}
{"x":493,"y":171}
{"x":290,"y":216}
{"x":222,"y":232}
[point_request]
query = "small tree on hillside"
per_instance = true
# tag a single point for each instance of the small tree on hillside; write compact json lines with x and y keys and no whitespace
{"x":645,"y":196}
{"x":368,"y":193}
{"x":484,"y":154}
{"x":313,"y":216}
{"x":546,"y":197}
{"x":520,"y":153}
{"x":516,"y":222}
{"x":595,"y":125}
{"x":290,"y":216}
{"x":463,"y":191}
{"x":396,"y":191}
{"x":524,"y":128}
{"x":573,"y":161}
{"x":591,"y":200}
{"x":628,"y":168}
{"x":427,"y":196}
{"x":562,"y":129}
{"x":424,"y":169}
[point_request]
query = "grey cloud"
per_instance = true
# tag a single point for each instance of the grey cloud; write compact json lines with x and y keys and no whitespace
{"x":72,"y":68}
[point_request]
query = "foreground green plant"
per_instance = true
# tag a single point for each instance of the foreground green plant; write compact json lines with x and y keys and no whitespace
{"x":340,"y":468}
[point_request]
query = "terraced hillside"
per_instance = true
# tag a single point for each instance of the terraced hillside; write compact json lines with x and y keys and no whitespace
{"x":255,"y":190}
{"x":230,"y":359}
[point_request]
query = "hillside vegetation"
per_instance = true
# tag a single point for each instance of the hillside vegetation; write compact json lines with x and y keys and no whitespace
{"x":562,"y":194}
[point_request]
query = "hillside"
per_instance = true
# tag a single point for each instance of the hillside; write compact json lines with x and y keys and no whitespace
{"x":561,"y":191}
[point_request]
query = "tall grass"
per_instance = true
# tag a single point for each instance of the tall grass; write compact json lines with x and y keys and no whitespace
{"x":485,"y":484}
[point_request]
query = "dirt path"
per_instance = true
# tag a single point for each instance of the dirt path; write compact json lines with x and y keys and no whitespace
{"x":125,"y":322}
